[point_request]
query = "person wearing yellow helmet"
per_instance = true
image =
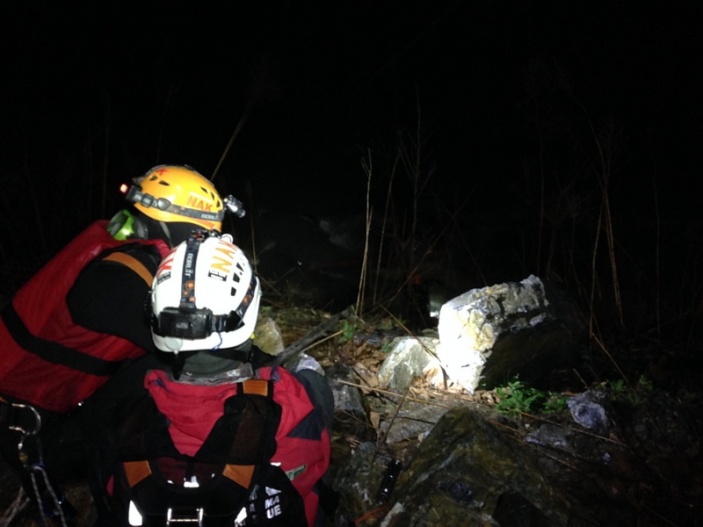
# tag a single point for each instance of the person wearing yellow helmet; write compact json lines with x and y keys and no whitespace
{"x":79,"y":321}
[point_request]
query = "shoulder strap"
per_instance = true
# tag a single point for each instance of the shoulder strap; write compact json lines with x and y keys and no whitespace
{"x":234,"y":463}
{"x":246,"y":432}
{"x":131,"y":262}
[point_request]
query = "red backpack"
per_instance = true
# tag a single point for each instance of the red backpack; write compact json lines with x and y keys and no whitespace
{"x":229,"y":481}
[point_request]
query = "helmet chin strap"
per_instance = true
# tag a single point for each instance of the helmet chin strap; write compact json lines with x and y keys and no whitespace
{"x":146,"y":228}
{"x":167,"y":233}
{"x":174,"y":233}
{"x":141,"y":229}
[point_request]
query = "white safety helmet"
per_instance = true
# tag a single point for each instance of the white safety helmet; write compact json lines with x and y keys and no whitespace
{"x":204,"y":297}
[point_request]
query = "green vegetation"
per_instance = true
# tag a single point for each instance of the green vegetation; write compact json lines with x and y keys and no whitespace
{"x":349,"y":329}
{"x":620,"y":390}
{"x":517,"y":398}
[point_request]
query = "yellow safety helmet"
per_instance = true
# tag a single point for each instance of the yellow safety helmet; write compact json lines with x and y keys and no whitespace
{"x":178,"y":194}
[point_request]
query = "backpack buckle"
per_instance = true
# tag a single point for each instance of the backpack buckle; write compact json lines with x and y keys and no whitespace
{"x":195,"y":518}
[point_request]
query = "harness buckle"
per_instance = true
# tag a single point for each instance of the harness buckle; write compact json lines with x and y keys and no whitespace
{"x":196,"y":518}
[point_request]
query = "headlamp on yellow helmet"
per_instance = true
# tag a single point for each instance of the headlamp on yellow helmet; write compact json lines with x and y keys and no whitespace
{"x":172,"y":193}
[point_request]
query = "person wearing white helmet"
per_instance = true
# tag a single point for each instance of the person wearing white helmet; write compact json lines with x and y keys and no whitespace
{"x":240,"y":442}
{"x":78,"y":321}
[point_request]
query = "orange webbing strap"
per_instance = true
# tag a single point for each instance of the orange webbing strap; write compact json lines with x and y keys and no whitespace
{"x":131,"y":262}
{"x":256,"y":387}
{"x":240,"y":474}
{"x":136,"y":471}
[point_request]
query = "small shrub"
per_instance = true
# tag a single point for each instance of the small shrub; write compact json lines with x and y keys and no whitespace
{"x":349,"y":329}
{"x":555,"y":403}
{"x":517,"y":398}
{"x":619,"y":389}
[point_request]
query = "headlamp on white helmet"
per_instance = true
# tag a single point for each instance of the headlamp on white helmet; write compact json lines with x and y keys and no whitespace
{"x":205,"y":296}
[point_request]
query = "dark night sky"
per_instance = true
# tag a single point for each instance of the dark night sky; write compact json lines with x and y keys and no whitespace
{"x":94,"y":93}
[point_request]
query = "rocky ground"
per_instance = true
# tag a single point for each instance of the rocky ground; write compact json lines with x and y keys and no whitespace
{"x":655,"y":476}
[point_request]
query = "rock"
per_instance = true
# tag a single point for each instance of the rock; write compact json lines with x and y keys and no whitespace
{"x":467,"y":470}
{"x":267,"y":335}
{"x":410,"y":357}
{"x":489,"y":335}
{"x":413,"y":421}
{"x":587,"y":410}
{"x":347,"y":398}
{"x":351,"y":409}
{"x":478,"y":467}
{"x":358,"y":481}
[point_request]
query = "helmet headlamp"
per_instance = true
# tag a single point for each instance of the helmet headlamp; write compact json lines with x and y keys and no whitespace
{"x":135,"y":195}
{"x":192,"y":324}
{"x":235,"y":206}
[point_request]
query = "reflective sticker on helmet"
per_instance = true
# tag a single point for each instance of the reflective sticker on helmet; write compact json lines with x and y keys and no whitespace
{"x":198,"y":203}
{"x":222,"y":261}
{"x":166,"y":266}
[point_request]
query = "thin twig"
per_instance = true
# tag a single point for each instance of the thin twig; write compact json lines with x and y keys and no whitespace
{"x":368,"y":169}
{"x":394,"y":394}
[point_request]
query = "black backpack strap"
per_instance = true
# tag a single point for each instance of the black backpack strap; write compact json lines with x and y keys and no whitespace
{"x":246,"y":433}
{"x":274,"y":501}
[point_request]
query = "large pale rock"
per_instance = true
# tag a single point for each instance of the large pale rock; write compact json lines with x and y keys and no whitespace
{"x":489,"y":335}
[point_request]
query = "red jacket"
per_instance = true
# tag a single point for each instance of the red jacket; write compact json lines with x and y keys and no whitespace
{"x":303,"y":444}
{"x":45,"y":358}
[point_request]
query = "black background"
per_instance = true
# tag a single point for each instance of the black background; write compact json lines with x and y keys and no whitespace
{"x":508,"y":96}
